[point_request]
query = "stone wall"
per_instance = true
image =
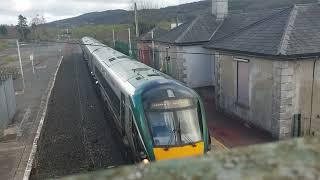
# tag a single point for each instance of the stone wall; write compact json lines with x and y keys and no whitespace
{"x":284,"y":95}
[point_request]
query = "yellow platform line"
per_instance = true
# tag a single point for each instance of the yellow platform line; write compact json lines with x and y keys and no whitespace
{"x":218,"y":144}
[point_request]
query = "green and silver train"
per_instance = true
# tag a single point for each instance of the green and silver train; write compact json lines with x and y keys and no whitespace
{"x":157,"y":116}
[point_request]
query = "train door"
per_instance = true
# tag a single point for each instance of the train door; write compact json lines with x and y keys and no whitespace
{"x":123,"y":113}
{"x":315,"y":109}
{"x":132,"y":134}
{"x":129,"y":124}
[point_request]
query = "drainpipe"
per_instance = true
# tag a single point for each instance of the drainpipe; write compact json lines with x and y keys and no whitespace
{"x":312,"y":93}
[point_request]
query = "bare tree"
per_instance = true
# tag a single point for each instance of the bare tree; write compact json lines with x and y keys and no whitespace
{"x":38,"y":20}
{"x":145,"y":11}
{"x":146,"y":4}
{"x":35,"y":23}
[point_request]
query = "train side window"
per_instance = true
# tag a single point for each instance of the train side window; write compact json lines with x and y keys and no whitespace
{"x":115,"y":101}
{"x":200,"y":117}
{"x":130,"y":122}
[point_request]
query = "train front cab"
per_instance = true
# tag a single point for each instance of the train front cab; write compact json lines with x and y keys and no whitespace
{"x":176,"y":124}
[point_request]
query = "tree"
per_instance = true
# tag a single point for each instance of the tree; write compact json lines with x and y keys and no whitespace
{"x":37,"y":31}
{"x":38,"y":20}
{"x":3,"y":30}
{"x":145,"y":9}
{"x":22,"y":28}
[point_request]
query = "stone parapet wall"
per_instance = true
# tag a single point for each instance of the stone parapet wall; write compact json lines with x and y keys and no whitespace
{"x":269,"y":161}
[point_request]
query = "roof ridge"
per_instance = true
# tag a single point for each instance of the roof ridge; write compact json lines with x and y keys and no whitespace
{"x":283,"y":46}
{"x":159,"y":39}
{"x":252,"y":24}
{"x":187,"y":30}
{"x":217,"y":29}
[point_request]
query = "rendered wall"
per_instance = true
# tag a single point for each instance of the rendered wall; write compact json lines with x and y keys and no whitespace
{"x":198,"y":67}
{"x":279,"y":91}
{"x":260,"y":111}
{"x":306,"y":100}
{"x":187,"y":64}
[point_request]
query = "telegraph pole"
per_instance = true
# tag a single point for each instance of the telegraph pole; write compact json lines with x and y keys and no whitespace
{"x":130,"y":49}
{"x":136,"y":19}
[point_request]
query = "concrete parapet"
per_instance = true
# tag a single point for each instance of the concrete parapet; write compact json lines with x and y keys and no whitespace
{"x":269,"y":161}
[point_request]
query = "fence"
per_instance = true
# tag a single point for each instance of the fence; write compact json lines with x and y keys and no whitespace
{"x":7,"y":102}
{"x":124,"y":48}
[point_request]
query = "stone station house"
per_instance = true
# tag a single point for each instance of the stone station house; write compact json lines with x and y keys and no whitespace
{"x":268,"y":70}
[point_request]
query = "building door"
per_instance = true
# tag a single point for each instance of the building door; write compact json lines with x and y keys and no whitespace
{"x":315,"y":109}
{"x":243,"y":82}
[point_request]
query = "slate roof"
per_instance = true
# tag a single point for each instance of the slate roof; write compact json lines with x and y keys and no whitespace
{"x":157,"y":32}
{"x":292,"y":31}
{"x":197,"y":31}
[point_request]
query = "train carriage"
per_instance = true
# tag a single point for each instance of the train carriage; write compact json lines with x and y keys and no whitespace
{"x":158,"y":117}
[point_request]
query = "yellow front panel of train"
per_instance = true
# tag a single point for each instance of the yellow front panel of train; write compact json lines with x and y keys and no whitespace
{"x":179,"y":152}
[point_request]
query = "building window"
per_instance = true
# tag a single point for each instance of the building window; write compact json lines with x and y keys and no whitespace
{"x":242,"y":82}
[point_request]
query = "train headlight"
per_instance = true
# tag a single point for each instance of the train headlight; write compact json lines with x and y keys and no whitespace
{"x":146,"y":161}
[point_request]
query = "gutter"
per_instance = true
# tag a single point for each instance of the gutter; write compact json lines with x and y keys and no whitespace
{"x":305,"y":56}
{"x":183,"y":44}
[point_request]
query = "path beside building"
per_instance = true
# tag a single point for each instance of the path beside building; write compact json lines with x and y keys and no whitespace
{"x":228,"y":132}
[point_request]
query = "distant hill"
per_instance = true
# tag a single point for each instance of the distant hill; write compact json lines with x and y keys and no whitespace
{"x":183,"y":11}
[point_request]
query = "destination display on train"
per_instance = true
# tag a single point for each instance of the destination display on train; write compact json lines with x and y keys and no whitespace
{"x":172,"y":104}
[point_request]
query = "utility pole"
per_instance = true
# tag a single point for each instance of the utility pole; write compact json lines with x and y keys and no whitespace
{"x":152,"y":49}
{"x":130,"y":49}
{"x":136,"y":19}
{"x":22,"y":75}
{"x":114,"y":41}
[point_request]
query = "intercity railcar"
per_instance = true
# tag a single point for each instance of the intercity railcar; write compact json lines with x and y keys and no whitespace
{"x":157,"y":116}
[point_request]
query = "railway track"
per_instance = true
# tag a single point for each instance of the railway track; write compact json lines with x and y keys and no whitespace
{"x":78,"y":133}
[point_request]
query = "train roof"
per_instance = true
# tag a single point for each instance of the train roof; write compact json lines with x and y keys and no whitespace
{"x":124,"y":67}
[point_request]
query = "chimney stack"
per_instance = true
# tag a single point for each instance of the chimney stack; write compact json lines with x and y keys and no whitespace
{"x":220,"y":8}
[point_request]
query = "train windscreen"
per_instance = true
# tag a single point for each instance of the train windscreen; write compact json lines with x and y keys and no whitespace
{"x":173,"y":119}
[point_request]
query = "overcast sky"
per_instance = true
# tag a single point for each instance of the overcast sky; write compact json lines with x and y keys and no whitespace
{"x":60,"y":9}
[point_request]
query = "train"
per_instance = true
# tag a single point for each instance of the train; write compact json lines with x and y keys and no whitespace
{"x":157,"y":117}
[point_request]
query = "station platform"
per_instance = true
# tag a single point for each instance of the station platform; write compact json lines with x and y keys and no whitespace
{"x":227,"y":132}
